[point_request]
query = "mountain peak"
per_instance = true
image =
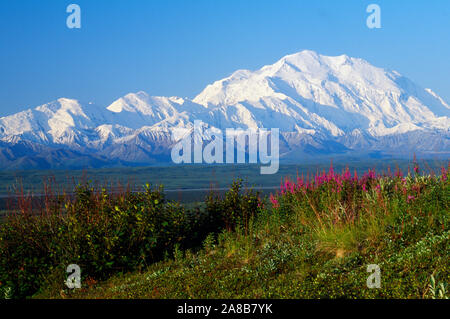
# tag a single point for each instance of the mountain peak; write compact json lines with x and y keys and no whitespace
{"x":62,"y":105}
{"x":65,"y":100}
{"x":322,"y":103}
{"x":310,"y":56}
{"x":303,"y":54}
{"x":140,"y":94}
{"x":337,"y":93}
{"x":132,"y":102}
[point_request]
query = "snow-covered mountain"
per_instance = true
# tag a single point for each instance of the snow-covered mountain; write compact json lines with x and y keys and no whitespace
{"x":321,"y":104}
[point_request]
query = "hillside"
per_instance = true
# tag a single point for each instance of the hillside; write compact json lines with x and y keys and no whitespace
{"x":314,"y":238}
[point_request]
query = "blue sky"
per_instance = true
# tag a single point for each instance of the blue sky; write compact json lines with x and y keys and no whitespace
{"x":177,"y":47}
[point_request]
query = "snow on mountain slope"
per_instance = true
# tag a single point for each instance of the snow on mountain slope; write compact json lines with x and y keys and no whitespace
{"x":320,"y":104}
{"x":330,"y":94}
{"x":136,"y":110}
{"x":61,"y":122}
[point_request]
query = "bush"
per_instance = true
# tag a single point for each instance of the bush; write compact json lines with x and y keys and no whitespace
{"x":100,"y":232}
{"x":235,"y":209}
{"x":316,"y":241}
{"x":106,"y":233}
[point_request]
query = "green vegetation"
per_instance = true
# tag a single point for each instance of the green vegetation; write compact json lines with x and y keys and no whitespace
{"x":106,"y":233}
{"x":185,"y":177}
{"x":314,"y":238}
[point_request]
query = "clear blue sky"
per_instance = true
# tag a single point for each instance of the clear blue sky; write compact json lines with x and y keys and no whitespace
{"x":177,"y":47}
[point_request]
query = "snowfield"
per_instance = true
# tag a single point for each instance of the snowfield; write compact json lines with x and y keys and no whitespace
{"x":321,"y":104}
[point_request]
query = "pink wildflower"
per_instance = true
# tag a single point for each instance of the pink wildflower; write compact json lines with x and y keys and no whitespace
{"x":274,"y":201}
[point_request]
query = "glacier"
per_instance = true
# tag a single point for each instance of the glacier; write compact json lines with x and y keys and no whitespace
{"x":322,"y":105}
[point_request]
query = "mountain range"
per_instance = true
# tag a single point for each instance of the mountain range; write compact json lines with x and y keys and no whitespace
{"x":323,"y":106}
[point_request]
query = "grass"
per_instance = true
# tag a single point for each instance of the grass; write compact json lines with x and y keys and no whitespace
{"x":314,"y":238}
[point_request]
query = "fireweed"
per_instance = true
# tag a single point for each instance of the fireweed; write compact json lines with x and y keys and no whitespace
{"x":344,"y":209}
{"x":319,"y":233}
{"x":315,"y":240}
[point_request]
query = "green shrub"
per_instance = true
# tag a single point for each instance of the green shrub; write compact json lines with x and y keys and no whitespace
{"x":236,"y":208}
{"x":102,"y":233}
{"x":106,"y":233}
